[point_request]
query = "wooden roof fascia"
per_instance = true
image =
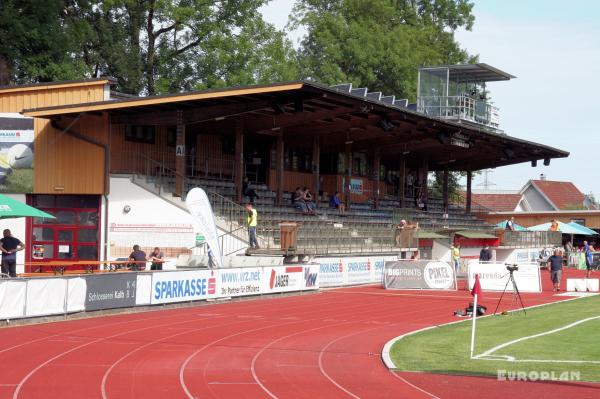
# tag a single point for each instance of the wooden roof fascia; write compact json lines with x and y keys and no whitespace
{"x":178,"y":98}
{"x":53,"y":86}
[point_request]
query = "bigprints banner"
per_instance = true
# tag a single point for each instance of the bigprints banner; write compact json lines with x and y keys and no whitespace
{"x":199,"y":207}
{"x":423,"y":274}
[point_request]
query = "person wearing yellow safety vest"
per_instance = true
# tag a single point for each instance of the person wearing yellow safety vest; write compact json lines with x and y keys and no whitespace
{"x":252,"y":221}
{"x":456,"y":256}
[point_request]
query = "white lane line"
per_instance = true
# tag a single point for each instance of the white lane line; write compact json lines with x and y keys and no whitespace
{"x":39,"y":367}
{"x":322,"y":369}
{"x":126,"y":355}
{"x":514,"y":341}
{"x":432,"y":396}
{"x":190,"y":357}
{"x":255,"y":358}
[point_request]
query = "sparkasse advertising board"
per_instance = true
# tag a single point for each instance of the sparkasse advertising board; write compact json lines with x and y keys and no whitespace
{"x":168,"y":287}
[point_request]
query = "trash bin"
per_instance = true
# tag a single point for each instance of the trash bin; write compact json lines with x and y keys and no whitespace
{"x":288,"y":235}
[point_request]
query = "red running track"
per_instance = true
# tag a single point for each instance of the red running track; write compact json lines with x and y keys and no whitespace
{"x":322,"y":345}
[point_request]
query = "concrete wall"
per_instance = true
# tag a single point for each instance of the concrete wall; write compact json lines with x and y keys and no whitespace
{"x":137,"y":216}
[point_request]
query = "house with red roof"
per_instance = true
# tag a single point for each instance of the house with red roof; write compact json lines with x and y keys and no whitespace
{"x":535,"y":196}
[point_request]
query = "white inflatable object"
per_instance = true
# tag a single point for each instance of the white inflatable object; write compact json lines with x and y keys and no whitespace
{"x":20,"y":156}
{"x":199,"y":206}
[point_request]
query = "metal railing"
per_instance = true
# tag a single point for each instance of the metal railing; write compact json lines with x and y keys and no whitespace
{"x":311,"y":237}
{"x":460,"y":108}
{"x":530,"y":239}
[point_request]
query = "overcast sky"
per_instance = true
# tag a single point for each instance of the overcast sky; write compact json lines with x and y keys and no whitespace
{"x":553,"y":48}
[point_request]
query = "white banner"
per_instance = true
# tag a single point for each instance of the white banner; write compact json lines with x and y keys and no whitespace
{"x":290,"y":278}
{"x":193,"y":285}
{"x":76,"y":289}
{"x":12,"y":298}
{"x":239,"y":282}
{"x":46,"y":296}
{"x":143,"y":289}
{"x":199,"y":206}
{"x":335,"y":272}
{"x":494,"y":276}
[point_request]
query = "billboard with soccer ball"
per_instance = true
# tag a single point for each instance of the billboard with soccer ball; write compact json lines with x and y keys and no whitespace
{"x":16,"y":153}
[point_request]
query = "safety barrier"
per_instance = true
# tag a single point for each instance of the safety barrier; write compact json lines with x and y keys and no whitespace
{"x":38,"y":296}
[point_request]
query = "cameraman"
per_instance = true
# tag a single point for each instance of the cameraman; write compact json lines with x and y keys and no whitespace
{"x":555,"y":262}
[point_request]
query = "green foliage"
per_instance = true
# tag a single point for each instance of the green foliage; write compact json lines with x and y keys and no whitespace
{"x":149,"y":46}
{"x":446,"y":349}
{"x":38,"y":42}
{"x":379,"y":44}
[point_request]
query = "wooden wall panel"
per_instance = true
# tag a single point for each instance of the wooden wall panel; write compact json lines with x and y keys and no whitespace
{"x":62,"y":163}
{"x":130,"y":157}
{"x":68,"y":165}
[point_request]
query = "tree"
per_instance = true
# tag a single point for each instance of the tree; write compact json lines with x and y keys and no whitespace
{"x":38,"y":42}
{"x":154,"y":46}
{"x":149,"y":46}
{"x":379,"y":44}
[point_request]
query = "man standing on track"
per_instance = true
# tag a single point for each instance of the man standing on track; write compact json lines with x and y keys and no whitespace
{"x":9,"y":246}
{"x":555,"y":262}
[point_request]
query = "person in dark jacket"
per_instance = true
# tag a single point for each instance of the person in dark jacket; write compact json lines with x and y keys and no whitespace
{"x":485,"y":255}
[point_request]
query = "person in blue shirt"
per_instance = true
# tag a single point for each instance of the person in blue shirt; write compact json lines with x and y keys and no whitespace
{"x":335,"y":202}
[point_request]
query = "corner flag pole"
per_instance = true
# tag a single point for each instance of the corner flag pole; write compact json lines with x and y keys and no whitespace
{"x":476,"y":292}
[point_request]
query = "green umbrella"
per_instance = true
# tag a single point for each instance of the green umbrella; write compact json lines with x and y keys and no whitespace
{"x":10,"y":208}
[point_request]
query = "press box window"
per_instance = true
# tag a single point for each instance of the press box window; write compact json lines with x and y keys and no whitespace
{"x":140,"y":134}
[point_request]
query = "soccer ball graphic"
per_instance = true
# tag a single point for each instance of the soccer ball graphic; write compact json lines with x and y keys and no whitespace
{"x":20,"y":156}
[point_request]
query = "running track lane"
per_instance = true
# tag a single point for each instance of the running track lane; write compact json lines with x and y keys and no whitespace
{"x":321,"y":346}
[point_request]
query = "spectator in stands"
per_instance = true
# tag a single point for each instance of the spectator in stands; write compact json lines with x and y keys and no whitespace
{"x":510,"y":224}
{"x":298,"y":200}
{"x":415,"y":255}
{"x":9,"y":246}
{"x":138,"y":258}
{"x":554,"y":225}
{"x":456,"y":256}
{"x":335,"y":202}
{"x":309,"y":201}
{"x":404,"y":237}
{"x":485,"y":255}
{"x":157,"y":258}
{"x":248,"y":191}
{"x":410,"y":182}
{"x":556,"y":262}
{"x":252,"y":222}
{"x":568,"y":247}
{"x":417,"y":194}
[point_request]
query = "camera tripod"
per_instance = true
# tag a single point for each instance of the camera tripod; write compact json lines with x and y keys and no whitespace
{"x":516,"y":293}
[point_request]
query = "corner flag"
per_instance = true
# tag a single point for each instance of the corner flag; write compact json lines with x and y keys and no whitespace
{"x":477,"y":287}
{"x":476,"y":292}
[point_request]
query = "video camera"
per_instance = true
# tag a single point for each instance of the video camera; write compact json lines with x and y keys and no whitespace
{"x":512,"y":268}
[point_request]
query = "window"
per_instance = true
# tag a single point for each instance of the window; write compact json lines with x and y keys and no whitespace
{"x":171,"y":136}
{"x":73,"y":235}
{"x":140,"y":134}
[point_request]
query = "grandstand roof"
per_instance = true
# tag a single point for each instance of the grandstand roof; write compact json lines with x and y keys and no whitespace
{"x":302,"y":109}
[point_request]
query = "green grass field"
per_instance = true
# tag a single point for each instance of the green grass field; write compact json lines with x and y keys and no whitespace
{"x":446,"y":349}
